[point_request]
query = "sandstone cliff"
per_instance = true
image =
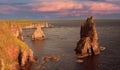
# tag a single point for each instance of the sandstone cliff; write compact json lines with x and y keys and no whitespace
{"x":88,"y":43}
{"x":16,"y":31}
{"x":13,"y":52}
{"x":38,"y":34}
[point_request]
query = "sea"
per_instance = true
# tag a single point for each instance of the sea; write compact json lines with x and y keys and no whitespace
{"x":61,"y":39}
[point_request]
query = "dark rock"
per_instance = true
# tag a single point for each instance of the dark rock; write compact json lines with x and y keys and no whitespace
{"x":88,"y":43}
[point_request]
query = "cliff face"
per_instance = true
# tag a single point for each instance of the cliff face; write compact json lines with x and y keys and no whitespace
{"x":88,"y":43}
{"x":13,"y":52}
{"x":38,"y":34}
{"x":16,"y":31}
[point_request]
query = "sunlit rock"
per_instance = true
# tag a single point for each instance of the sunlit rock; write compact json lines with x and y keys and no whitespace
{"x":20,"y":34}
{"x":13,"y":52}
{"x":102,"y":48}
{"x":54,"y":59}
{"x":51,"y":58}
{"x":14,"y":30}
{"x":17,"y":32}
{"x":38,"y":34}
{"x":46,"y":59}
{"x":79,"y":61}
{"x":1,"y":64}
{"x":88,"y":43}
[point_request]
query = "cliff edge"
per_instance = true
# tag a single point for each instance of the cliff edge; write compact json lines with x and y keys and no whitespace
{"x":13,"y":52}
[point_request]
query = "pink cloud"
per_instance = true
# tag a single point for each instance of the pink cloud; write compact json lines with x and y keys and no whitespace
{"x":71,"y":8}
{"x":56,"y":6}
{"x":61,"y":8}
{"x":4,"y":9}
{"x":103,"y":8}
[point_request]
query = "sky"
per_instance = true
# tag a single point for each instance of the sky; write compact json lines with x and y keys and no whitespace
{"x":59,"y":9}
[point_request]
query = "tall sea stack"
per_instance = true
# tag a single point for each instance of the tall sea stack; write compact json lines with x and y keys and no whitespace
{"x":88,"y":43}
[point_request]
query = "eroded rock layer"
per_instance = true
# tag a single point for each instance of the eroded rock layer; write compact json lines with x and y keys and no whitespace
{"x":88,"y":43}
{"x":13,"y":52}
{"x":38,"y":34}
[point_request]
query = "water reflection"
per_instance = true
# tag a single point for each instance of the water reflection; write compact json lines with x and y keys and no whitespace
{"x":90,"y":63}
{"x":37,"y":43}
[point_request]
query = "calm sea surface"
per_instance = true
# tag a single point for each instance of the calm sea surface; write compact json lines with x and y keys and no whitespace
{"x":61,"y":41}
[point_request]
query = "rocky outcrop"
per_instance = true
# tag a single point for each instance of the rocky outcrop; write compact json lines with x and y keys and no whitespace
{"x":25,"y":57}
{"x":14,"y":30}
{"x":46,"y":59}
{"x":20,"y":34}
{"x":17,"y":31}
{"x":88,"y":43}
{"x":1,"y":65}
{"x":13,"y":52}
{"x":34,"y":25}
{"x":38,"y":34}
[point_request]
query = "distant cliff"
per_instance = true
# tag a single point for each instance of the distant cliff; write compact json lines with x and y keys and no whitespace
{"x":27,"y":23}
{"x":13,"y":52}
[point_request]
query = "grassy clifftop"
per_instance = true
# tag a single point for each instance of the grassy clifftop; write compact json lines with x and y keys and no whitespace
{"x":22,"y":22}
{"x":13,"y":52}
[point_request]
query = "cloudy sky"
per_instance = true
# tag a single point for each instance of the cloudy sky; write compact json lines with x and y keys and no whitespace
{"x":59,"y":9}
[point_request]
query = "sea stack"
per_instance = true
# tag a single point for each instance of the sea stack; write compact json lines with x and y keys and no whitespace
{"x":38,"y":34}
{"x":88,"y":43}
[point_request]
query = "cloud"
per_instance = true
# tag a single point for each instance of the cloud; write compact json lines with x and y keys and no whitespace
{"x":55,"y":6}
{"x":61,"y":8}
{"x":73,"y":8}
{"x":6,"y":9}
{"x":112,"y":0}
{"x":58,"y":8}
{"x":12,"y":4}
{"x":103,"y":8}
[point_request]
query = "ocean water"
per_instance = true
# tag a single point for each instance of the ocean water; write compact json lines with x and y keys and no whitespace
{"x":61,"y":41}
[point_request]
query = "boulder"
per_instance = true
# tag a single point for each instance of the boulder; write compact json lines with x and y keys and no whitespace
{"x":88,"y":43}
{"x":38,"y":34}
{"x":79,"y":61}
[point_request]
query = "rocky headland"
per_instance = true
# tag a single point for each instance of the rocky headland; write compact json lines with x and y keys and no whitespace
{"x":14,"y":53}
